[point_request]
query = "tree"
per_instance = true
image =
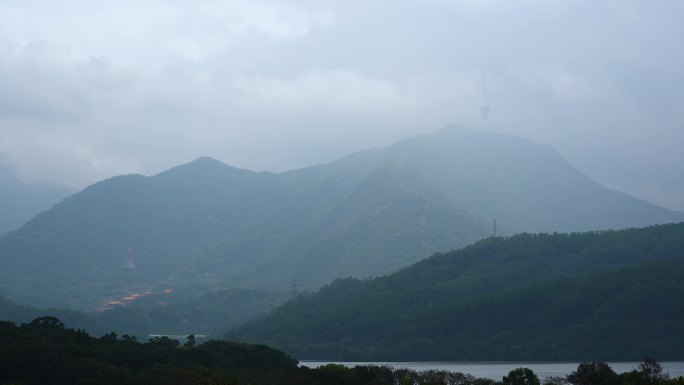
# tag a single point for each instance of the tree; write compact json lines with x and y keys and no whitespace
{"x":651,"y":373}
{"x":593,"y":373}
{"x":555,"y":380}
{"x":521,"y":376}
{"x":47,"y":322}
{"x":129,"y":339}
{"x":163,"y":341}
{"x":191,"y":341}
{"x":110,"y":338}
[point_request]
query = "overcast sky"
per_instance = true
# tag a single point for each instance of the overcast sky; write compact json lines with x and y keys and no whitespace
{"x":92,"y":89}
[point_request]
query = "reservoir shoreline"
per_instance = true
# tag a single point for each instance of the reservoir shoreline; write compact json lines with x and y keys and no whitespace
{"x":496,"y":370}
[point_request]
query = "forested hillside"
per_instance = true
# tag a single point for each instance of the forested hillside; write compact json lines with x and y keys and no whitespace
{"x":209,"y":314}
{"x":613,"y":295}
{"x":205,"y":226}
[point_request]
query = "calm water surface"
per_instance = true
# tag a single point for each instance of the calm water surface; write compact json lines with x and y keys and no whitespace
{"x":496,"y":370}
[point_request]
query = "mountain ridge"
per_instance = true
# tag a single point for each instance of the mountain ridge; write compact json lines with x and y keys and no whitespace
{"x":598,"y":295}
{"x":20,"y":201}
{"x":206,"y":226}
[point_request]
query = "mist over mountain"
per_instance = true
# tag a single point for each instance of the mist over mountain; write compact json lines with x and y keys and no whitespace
{"x":206,"y":226}
{"x":288,"y":173}
{"x":20,"y":201}
{"x":13,"y":312}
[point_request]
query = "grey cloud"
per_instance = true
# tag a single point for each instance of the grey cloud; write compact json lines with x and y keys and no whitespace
{"x":91,"y":91}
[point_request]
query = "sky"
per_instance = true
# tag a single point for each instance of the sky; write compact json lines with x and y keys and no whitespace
{"x":93,"y":89}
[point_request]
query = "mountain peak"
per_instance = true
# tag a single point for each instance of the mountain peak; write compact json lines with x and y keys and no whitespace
{"x":206,"y":160}
{"x":363,"y":215}
{"x":204,"y":165}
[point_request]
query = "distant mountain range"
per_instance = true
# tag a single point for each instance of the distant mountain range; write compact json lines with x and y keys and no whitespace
{"x":613,"y":295}
{"x":20,"y":201}
{"x":206,"y":226}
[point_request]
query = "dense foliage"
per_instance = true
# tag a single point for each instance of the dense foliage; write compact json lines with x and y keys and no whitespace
{"x":205,"y":226}
{"x":649,"y":372}
{"x":521,"y":376}
{"x":615,"y":295}
{"x":43,"y":352}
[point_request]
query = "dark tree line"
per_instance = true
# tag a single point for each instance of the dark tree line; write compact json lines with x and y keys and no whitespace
{"x":44,"y":352}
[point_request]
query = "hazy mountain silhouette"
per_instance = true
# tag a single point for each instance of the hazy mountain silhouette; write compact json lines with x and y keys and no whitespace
{"x":20,"y":201}
{"x":206,"y":226}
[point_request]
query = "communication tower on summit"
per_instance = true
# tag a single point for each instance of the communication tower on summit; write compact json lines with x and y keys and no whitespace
{"x":484,"y":108}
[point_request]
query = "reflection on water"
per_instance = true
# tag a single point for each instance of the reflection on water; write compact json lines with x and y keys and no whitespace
{"x":496,"y":370}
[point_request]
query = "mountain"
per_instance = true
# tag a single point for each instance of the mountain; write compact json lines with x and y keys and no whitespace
{"x":20,"y":201}
{"x":209,"y":314}
{"x":206,"y":226}
{"x":613,"y":295}
{"x":13,"y":312}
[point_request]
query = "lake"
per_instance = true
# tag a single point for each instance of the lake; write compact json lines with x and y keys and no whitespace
{"x":496,"y":370}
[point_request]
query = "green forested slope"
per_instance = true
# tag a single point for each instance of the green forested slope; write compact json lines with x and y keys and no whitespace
{"x":613,"y":295}
{"x":205,"y":226}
